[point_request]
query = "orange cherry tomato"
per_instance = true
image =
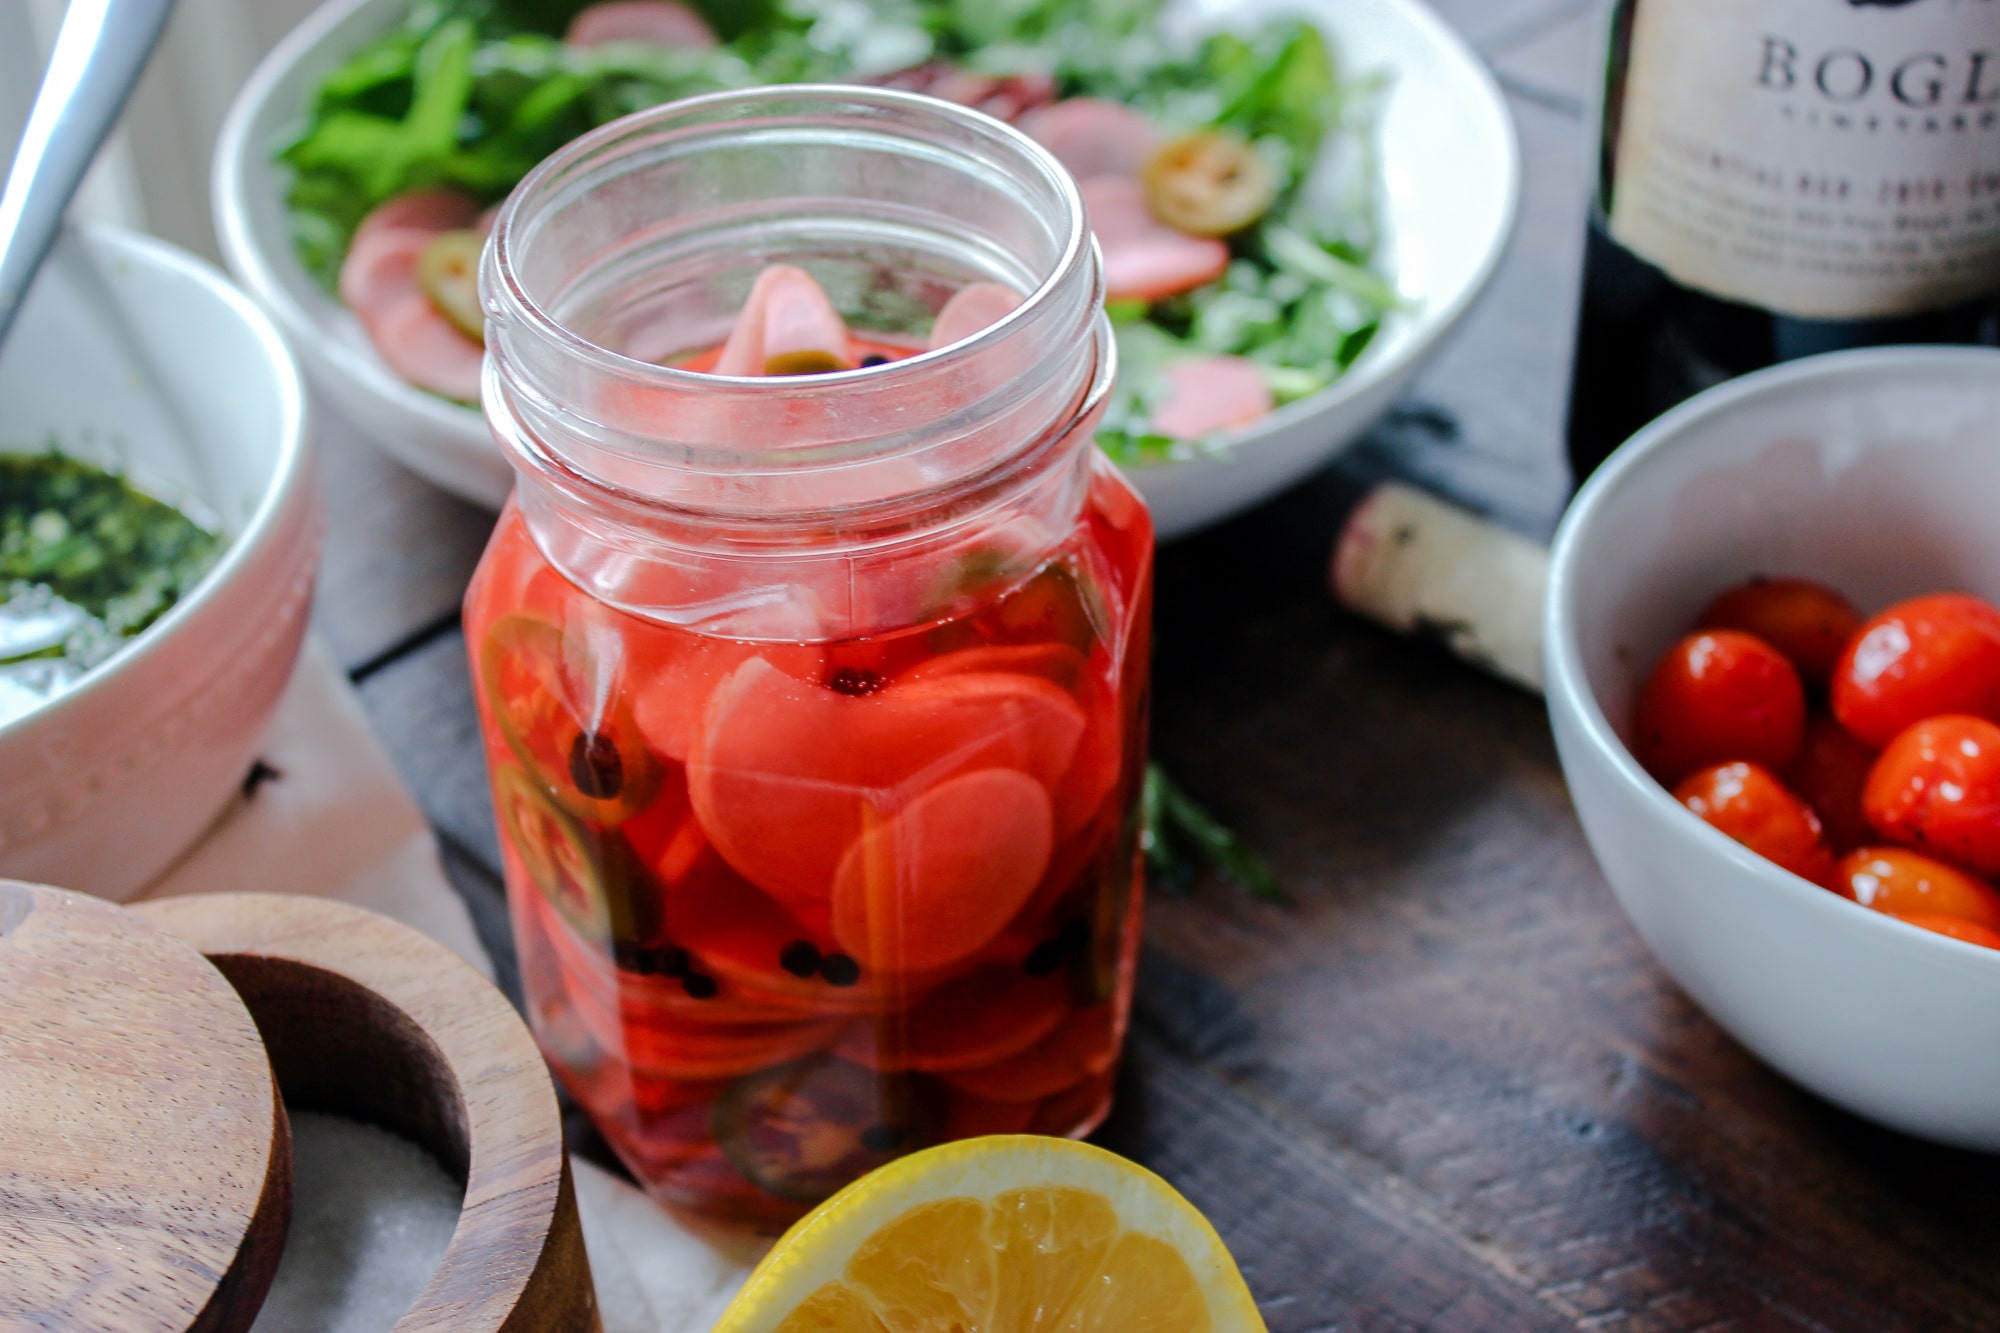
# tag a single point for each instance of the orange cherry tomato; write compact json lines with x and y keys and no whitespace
{"x":1828,"y":775}
{"x":1958,"y":928}
{"x":1918,"y":659}
{"x":1717,"y":696}
{"x":1753,"y":807}
{"x":1906,"y":883}
{"x":1937,"y":788}
{"x":1808,"y":622}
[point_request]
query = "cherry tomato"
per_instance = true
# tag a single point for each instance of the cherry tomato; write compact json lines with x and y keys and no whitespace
{"x":1808,"y":622}
{"x":1937,"y":788}
{"x":1920,"y":658}
{"x":1956,"y":927}
{"x":1716,"y":696}
{"x":1753,"y":807}
{"x":1828,"y":775}
{"x":1905,"y":883}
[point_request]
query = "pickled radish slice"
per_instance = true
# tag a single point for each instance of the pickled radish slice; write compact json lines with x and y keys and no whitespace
{"x":970,"y":1117}
{"x":1144,"y":259}
{"x":942,"y":879}
{"x":978,"y":1019}
{"x":782,"y":771}
{"x":787,"y":315}
{"x":973,"y":309}
{"x":434,"y":211}
{"x":1211,"y":393}
{"x":685,"y":1050}
{"x":668,"y":712}
{"x":1054,"y":662}
{"x":1093,"y":137}
{"x":655,"y":22}
{"x":741,"y":935}
{"x":1083,"y":1047}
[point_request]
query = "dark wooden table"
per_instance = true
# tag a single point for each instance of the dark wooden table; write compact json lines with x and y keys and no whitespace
{"x":1445,"y":1087}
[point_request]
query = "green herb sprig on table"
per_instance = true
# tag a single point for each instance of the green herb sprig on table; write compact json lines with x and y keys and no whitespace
{"x":1174,"y":832}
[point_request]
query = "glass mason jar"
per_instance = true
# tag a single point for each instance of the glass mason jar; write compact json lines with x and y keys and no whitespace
{"x":814,"y":704}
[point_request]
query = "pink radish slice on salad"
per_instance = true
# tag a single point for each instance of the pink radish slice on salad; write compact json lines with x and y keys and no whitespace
{"x":379,"y":283}
{"x":1144,"y":258}
{"x":1093,"y":137}
{"x":1211,"y":393}
{"x":654,"y":22}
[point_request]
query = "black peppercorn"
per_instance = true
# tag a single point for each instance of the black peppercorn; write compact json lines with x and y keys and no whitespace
{"x":800,"y":958}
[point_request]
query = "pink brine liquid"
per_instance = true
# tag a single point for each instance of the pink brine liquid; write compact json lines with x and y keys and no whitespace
{"x":787,"y":910}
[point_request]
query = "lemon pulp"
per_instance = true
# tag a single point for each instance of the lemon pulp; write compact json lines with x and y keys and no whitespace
{"x":1049,"y":1259}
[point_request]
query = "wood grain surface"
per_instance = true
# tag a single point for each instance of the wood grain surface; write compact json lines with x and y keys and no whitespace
{"x":1444,"y":1087}
{"x":367,"y":1018}
{"x":145,"y":1167}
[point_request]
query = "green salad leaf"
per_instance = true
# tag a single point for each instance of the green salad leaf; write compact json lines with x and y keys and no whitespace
{"x":473,"y":93}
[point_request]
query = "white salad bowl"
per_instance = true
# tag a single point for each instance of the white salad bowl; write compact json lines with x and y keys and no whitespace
{"x":133,"y":355}
{"x":1872,"y":471}
{"x":1450,"y":171}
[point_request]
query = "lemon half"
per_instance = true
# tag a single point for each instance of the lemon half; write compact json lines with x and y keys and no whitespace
{"x":1008,"y":1234}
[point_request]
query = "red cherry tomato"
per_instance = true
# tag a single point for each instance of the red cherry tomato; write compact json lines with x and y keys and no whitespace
{"x":1906,"y":883}
{"x":1828,"y":775}
{"x":1808,"y":622}
{"x":1753,"y":807}
{"x":1959,"y":929}
{"x":1937,"y":788}
{"x":1717,"y":696}
{"x":1920,"y":658}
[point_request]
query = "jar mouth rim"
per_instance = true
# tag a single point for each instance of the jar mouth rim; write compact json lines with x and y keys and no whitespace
{"x":1076,"y":248}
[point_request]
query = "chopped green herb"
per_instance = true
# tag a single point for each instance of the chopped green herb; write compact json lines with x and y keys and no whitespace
{"x":86,"y":562}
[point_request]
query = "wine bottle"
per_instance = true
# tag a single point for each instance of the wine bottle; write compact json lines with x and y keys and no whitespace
{"x":1777,"y":178}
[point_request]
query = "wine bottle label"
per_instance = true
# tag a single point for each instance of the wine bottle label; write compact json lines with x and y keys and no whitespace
{"x":1826,"y":159}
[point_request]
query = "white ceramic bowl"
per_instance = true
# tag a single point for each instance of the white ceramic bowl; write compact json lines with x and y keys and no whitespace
{"x":1448,"y":155}
{"x":129,"y":352}
{"x":1873,"y":471}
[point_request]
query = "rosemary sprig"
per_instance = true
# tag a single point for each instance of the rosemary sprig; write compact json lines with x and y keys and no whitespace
{"x":1174,"y":832}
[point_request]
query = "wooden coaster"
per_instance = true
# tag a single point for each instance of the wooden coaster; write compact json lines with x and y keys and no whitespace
{"x":144,"y":1160}
{"x":370,"y":1019}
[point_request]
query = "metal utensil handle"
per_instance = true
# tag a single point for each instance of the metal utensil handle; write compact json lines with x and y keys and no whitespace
{"x":99,"y":51}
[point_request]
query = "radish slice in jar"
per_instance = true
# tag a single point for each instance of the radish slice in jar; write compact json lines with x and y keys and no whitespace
{"x":1144,"y":259}
{"x":1211,"y":393}
{"x":781,"y":772}
{"x":1093,"y":137}
{"x":787,"y":321}
{"x":972,"y":309}
{"x":937,"y":882}
{"x":655,"y":22}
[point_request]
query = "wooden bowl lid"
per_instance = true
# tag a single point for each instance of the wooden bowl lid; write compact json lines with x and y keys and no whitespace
{"x":143,"y":1149}
{"x":366,"y":1017}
